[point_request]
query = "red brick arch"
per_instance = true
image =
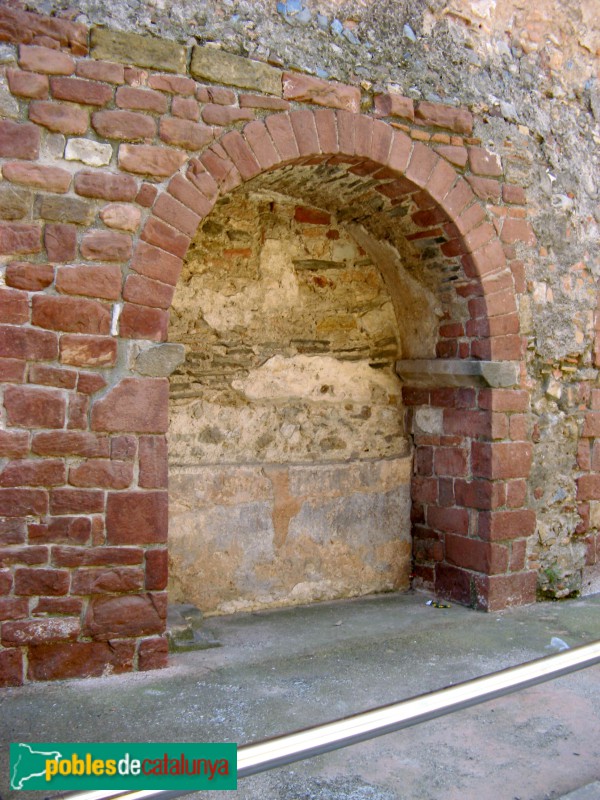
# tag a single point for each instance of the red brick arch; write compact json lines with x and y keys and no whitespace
{"x":83,"y":498}
{"x":470,"y":523}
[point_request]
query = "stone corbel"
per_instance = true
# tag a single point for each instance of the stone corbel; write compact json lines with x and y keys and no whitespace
{"x":433,"y":373}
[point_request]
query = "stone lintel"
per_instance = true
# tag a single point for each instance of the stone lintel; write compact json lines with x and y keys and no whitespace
{"x":438,"y":372}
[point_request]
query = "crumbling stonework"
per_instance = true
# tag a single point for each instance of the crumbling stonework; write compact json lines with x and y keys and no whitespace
{"x":454,"y":148}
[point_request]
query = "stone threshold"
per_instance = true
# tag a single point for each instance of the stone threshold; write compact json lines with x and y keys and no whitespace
{"x":433,"y":373}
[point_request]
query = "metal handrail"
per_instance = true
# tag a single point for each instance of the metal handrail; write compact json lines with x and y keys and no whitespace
{"x":262,"y":756}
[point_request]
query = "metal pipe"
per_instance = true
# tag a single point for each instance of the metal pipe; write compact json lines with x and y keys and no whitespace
{"x":271,"y":753}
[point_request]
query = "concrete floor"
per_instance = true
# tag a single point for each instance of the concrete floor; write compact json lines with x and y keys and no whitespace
{"x":278,"y":671}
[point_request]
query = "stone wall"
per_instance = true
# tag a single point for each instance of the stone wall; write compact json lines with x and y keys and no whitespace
{"x":290,"y":341}
{"x":458,"y":154}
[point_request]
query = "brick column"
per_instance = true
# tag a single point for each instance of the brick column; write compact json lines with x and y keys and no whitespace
{"x":469,"y":516}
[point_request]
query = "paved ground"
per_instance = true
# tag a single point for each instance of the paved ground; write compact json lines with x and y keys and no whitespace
{"x":279,"y":671}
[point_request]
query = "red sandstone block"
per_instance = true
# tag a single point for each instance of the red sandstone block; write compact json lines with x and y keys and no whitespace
{"x":104,"y":71}
{"x":503,"y":591}
{"x":282,"y":134}
{"x":70,"y":443}
{"x":482,"y":162}
{"x":500,"y":348}
{"x":222,"y":168}
{"x":51,"y":179}
{"x":513,"y":194}
{"x":99,"y":281}
{"x":501,"y":460}
{"x":12,"y":371}
{"x":203,"y":180}
{"x":157,"y":563}
{"x":497,"y":304}
{"x":174,"y":213}
{"x":88,"y":351}
{"x":90,"y":382}
{"x":13,"y":444}
{"x":422,"y":162}
{"x":136,"y":517}
{"x":153,"y":471}
{"x":173,"y":84}
{"x":79,"y":660}
{"x":185,"y":108}
{"x":23,"y":555}
{"x":441,"y":180}
{"x":106,"y":186}
{"x":588,"y":487}
{"x":58,"y":117}
{"x":141,"y":99}
{"x":6,"y":580}
{"x":392,"y":104}
{"x":46,"y":60}
{"x":19,"y":140}
{"x":14,"y":306}
{"x":76,"y":501}
{"x":518,"y":427}
{"x":60,"y":241}
{"x":64,"y":530}
{"x":123,"y":447}
{"x":473,"y":554}
{"x":115,"y":580}
{"x":241,"y":154}
{"x":495,"y":526}
{"x":305,"y":131}
{"x":185,"y":133}
{"x":19,"y":238}
{"x":424,"y":489}
{"x":127,"y":125}
{"x":518,"y":230}
{"x":455,"y":154}
{"x":449,"y":520}
{"x":39,"y":631}
{"x":13,"y":608}
{"x":458,"y":199}
{"x":137,"y":405}
{"x":40,"y":581}
{"x":305,"y":88}
{"x":116,"y":617}
{"x":481,"y":494}
{"x":225,"y":116}
{"x":31,"y":277}
{"x":485,"y":188}
{"x":158,"y":162}
{"x":158,"y":233}
{"x":466,"y":423}
{"x":96,"y":556}
{"x":78,"y":90}
{"x":312,"y":216}
{"x":27,"y":84}
{"x":106,"y":246}
{"x":58,"y":607}
{"x":70,"y":314}
{"x":34,"y":408}
{"x":43,"y":472}
{"x":11,"y":666}
{"x":146,"y":195}
{"x":261,"y":101}
{"x":326,"y":124}
{"x":438,"y":115}
{"x":78,"y":411}
{"x":142,"y":322}
{"x":261,"y":144}
{"x":146,"y":292}
{"x":450,"y":461}
{"x":156,"y":263}
{"x":102,"y":473}
{"x":153,"y":654}
{"x":479,"y":236}
{"x":504,"y":399}
{"x":182,"y":190}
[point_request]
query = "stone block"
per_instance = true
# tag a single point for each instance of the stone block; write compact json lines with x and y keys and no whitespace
{"x":132,"y":48}
{"x":210,"y":63}
{"x":160,"y":361}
